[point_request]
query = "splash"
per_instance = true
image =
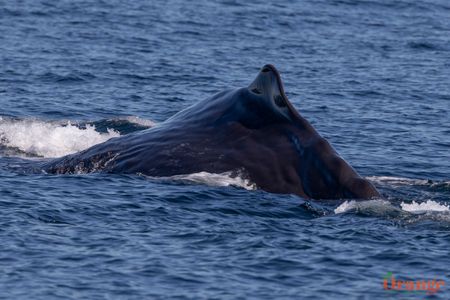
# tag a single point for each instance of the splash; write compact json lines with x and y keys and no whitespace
{"x":212,"y":179}
{"x":49,"y":139}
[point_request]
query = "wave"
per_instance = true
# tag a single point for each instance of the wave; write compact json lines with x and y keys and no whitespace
{"x":50,"y":139}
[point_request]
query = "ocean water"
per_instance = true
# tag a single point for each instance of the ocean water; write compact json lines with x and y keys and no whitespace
{"x":372,"y":76}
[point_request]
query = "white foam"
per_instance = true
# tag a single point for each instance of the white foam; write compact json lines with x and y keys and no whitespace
{"x":212,"y":179}
{"x":48,"y":139}
{"x":376,"y":205}
{"x":429,"y":205}
{"x":379,"y":205}
{"x":346,"y":206}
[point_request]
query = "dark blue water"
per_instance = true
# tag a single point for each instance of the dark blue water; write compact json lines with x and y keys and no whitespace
{"x":372,"y":76}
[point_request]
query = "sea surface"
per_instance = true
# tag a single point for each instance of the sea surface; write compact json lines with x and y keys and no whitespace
{"x":372,"y":76}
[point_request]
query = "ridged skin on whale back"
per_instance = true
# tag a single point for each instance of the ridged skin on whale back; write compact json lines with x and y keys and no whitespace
{"x":253,"y":131}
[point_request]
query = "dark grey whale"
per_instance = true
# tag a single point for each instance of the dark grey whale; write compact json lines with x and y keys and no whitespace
{"x":254,"y":131}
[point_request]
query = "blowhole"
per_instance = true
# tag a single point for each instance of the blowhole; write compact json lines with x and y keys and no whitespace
{"x":256,"y":91}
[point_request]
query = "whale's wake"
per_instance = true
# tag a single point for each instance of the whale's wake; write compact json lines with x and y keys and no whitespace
{"x":48,"y":139}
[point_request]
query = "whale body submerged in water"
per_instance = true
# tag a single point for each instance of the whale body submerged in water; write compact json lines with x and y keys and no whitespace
{"x":252,"y":131}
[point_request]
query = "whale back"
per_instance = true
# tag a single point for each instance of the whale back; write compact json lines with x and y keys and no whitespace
{"x":254,"y":132}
